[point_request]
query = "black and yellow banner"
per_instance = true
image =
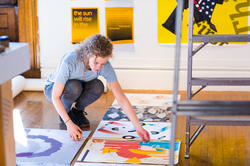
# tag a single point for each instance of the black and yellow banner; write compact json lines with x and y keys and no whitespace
{"x":220,"y":17}
{"x":84,"y":23}
{"x":119,"y":24}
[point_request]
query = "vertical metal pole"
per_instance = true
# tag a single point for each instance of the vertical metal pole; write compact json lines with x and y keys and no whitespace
{"x":189,"y":72}
{"x":187,"y":138}
{"x":190,"y":48}
{"x":178,"y":27}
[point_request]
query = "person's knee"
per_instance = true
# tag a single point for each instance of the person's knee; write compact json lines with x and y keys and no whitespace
{"x":92,"y":91}
{"x":98,"y":87}
{"x":73,"y":88}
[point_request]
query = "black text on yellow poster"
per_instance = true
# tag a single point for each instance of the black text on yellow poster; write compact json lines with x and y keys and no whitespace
{"x":119,"y":24}
{"x":84,"y":23}
{"x":212,"y":17}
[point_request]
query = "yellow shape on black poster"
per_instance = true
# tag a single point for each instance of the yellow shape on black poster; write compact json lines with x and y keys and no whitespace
{"x":228,"y":17}
{"x":119,"y":24}
{"x":84,"y":23}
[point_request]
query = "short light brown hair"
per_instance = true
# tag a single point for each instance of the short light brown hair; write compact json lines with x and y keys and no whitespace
{"x":97,"y":45}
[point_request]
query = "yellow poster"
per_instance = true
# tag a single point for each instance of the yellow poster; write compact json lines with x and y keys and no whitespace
{"x":211,"y":16}
{"x":119,"y":24}
{"x":84,"y":23}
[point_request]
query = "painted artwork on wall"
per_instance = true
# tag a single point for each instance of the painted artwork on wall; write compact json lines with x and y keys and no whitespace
{"x":119,"y":24}
{"x":149,"y":99}
{"x":144,"y":113}
{"x":119,"y":151}
{"x":125,"y":130}
{"x":45,"y":147}
{"x":211,"y":17}
{"x":84,"y":23}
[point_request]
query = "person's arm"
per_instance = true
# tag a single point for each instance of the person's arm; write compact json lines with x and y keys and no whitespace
{"x":72,"y":128}
{"x":128,"y":109}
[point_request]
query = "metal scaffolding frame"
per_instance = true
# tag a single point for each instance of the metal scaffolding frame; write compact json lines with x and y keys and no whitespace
{"x":189,"y":107}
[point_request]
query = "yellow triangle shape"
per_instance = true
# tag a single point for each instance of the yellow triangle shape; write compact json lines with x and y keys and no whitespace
{"x":133,"y":160}
{"x":108,"y":150}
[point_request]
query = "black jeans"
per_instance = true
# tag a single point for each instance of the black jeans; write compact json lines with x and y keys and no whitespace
{"x":83,"y":93}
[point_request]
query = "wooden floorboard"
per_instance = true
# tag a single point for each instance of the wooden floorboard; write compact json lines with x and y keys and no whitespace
{"x":216,"y":145}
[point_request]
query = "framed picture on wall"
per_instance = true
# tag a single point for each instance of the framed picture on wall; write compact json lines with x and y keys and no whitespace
{"x":84,"y":23}
{"x":119,"y":24}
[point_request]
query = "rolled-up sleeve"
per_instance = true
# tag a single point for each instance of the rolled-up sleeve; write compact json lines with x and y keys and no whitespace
{"x":108,"y":73}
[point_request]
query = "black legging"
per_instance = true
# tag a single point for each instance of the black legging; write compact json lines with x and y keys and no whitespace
{"x":83,"y":93}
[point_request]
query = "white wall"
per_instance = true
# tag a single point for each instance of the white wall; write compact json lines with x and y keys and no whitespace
{"x":144,"y":64}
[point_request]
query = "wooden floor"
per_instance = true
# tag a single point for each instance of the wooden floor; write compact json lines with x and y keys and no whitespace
{"x":216,"y":145}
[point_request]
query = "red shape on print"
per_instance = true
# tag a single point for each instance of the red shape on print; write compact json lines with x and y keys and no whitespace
{"x":116,"y":123}
{"x":123,"y":148}
{"x":101,"y":129}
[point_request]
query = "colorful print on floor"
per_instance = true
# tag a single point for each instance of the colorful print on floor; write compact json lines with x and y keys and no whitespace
{"x":47,"y":147}
{"x":119,"y":151}
{"x":103,"y":164}
{"x":144,"y":113}
{"x":125,"y":130}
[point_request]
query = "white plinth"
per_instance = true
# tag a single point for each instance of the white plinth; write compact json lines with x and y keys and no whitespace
{"x":14,"y":61}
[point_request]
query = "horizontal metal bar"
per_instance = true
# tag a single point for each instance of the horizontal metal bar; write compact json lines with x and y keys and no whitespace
{"x":220,"y":118}
{"x":204,"y":81}
{"x":221,"y":38}
{"x":190,"y":107}
{"x":226,"y":111}
{"x":198,"y":103}
{"x":216,"y":122}
{"x":214,"y":109}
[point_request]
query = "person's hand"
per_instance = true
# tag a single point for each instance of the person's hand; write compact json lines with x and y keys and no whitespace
{"x":74,"y":131}
{"x":143,"y":134}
